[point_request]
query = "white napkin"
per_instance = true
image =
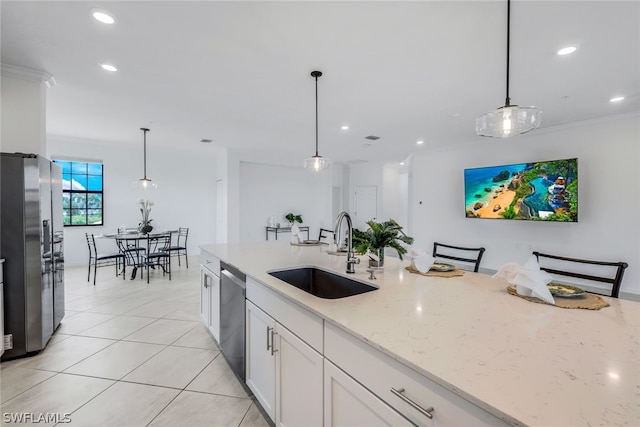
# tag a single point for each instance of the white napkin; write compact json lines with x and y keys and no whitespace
{"x":414,"y":252}
{"x":422,"y":263}
{"x":529,"y":280}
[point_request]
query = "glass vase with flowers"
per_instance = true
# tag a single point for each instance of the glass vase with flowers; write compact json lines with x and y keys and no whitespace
{"x":145,"y":226}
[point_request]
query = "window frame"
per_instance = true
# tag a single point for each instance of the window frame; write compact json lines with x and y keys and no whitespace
{"x":70,"y":192}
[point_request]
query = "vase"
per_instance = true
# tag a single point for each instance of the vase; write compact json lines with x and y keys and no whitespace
{"x":376,"y":258}
{"x":145,"y":229}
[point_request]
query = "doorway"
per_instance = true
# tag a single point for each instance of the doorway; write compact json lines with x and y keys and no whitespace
{"x":365,"y":206}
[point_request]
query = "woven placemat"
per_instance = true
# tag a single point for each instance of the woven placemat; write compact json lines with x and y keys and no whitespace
{"x":586,"y":302}
{"x":433,"y":273}
{"x":337,"y":253}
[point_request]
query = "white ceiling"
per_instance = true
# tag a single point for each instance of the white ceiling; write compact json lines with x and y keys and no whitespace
{"x":239,"y":72}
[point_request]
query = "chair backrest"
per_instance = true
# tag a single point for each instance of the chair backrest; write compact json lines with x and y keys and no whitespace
{"x":459,"y":253}
{"x":91,"y":242}
{"x":183,"y":235}
{"x":555,"y":264}
{"x":158,"y":243}
{"x":324,"y":233}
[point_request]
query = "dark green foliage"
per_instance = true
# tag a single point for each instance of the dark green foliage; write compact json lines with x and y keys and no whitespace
{"x":292,"y":218}
{"x":381,"y":235}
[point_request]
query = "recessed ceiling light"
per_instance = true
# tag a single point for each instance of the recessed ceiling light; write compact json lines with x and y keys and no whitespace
{"x":419,"y":142}
{"x":401,"y":163}
{"x":109,"y":67}
{"x":102,"y":16}
{"x":344,"y":127}
{"x":617,"y":99}
{"x":567,"y":50}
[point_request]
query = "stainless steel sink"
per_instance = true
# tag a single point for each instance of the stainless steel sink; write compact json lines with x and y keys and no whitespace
{"x":322,"y":283}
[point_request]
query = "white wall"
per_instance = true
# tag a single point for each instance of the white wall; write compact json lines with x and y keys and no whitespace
{"x":609,"y":196}
{"x":185,"y":196}
{"x":23,"y":111}
{"x":266,"y":190}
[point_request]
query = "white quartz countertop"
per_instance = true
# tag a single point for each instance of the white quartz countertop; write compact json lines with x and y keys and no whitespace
{"x":530,"y":364}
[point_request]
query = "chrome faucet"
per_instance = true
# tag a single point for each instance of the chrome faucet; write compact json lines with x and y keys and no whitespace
{"x":351,"y":259}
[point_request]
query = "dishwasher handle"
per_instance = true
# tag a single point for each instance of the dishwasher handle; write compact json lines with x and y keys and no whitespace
{"x":234,"y":279}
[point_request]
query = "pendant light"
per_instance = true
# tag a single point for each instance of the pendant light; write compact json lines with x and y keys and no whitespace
{"x":145,"y":183}
{"x":317,"y":163}
{"x":509,"y":120}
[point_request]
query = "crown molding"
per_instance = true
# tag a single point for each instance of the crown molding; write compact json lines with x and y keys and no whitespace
{"x":28,"y":74}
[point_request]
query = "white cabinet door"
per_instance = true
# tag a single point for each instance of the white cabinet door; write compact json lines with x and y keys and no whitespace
{"x":299,"y":381}
{"x":347,"y":403}
{"x":260,"y":358}
{"x":214,"y":316}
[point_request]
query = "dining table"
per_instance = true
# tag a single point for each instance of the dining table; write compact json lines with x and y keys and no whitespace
{"x":130,"y":244}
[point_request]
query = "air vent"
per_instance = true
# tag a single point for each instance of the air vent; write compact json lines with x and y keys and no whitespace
{"x":207,"y":141}
{"x":372,"y":137}
{"x":7,"y":342}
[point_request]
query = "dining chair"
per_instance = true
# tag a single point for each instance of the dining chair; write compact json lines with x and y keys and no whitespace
{"x":324,"y":233}
{"x":572,"y":267}
{"x":459,"y":253}
{"x":180,"y":248}
{"x":97,"y":259}
{"x":157,"y":254}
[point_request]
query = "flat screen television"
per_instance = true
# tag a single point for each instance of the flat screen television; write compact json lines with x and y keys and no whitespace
{"x":543,"y":191}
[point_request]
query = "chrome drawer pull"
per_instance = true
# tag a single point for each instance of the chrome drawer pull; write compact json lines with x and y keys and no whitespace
{"x":426,"y":412}
{"x":268,"y":334}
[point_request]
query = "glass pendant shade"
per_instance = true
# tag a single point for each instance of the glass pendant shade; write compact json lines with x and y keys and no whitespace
{"x":145,"y":184}
{"x":317,"y":163}
{"x":508,"y":121}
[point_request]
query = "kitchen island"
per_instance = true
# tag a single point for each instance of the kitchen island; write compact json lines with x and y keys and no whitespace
{"x":525,"y":363}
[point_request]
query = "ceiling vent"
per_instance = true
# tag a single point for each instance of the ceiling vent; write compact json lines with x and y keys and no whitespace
{"x":206,"y":141}
{"x":372,"y":137}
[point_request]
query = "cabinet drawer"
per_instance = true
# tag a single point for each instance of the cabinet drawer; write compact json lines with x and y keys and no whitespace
{"x":381,"y":373}
{"x":210,"y":262}
{"x":305,"y":325}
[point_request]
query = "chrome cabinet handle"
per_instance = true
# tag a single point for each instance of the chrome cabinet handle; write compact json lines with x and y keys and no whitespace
{"x":269,"y":328}
{"x":206,"y":281}
{"x":426,"y":412}
{"x":273,"y":343}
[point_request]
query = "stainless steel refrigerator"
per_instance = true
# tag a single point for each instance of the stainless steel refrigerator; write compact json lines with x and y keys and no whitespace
{"x":31,"y":242}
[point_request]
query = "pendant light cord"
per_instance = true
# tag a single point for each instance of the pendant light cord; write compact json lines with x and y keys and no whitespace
{"x":507,"y":102}
{"x":316,"y":77}
{"x":144,"y":156}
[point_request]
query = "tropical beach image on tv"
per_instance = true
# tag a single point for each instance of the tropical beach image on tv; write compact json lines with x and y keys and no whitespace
{"x":544,"y":191}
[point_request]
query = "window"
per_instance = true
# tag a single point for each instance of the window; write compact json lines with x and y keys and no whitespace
{"x":82,"y":197}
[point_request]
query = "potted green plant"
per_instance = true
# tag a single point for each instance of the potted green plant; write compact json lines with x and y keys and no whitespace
{"x":293,"y":218}
{"x":378,"y":236}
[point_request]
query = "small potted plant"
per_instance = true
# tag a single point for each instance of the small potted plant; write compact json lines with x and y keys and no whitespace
{"x":380,"y":235}
{"x":293,"y":218}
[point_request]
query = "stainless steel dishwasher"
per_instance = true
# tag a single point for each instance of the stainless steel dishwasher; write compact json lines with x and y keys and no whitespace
{"x":232,"y":317}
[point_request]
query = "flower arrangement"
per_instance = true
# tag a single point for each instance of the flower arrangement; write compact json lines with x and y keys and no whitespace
{"x":145,"y":208}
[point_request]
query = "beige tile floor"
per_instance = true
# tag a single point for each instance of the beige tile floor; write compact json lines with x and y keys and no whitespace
{"x":129,"y":354}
